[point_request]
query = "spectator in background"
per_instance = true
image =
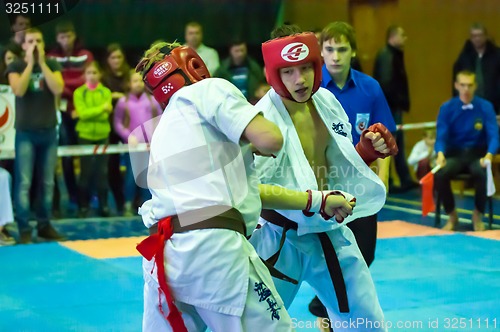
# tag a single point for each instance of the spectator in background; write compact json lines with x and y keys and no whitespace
{"x":6,"y":214}
{"x":93,"y":106}
{"x":19,"y":26}
{"x":390,"y":72}
{"x":7,"y":56}
{"x":134,"y":109}
{"x":194,"y":39}
{"x":260,"y":92}
{"x":72,"y":57}
{"x":467,"y":135}
{"x":482,"y":57}
{"x":36,"y":82}
{"x":422,"y":157}
{"x":241,"y":70}
{"x":116,"y":77}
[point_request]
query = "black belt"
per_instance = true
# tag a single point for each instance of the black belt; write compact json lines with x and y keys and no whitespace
{"x":332,"y":261}
{"x":230,"y":219}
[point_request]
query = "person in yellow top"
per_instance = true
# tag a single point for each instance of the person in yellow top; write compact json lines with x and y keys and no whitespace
{"x":93,"y":106}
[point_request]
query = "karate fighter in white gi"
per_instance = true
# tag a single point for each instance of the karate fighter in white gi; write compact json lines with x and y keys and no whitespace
{"x":199,"y":269}
{"x":318,"y":157}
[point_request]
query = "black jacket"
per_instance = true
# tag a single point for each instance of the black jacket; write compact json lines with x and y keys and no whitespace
{"x":390,"y":72}
{"x":491,"y":69}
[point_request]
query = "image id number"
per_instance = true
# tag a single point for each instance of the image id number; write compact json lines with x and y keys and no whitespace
{"x":470,"y":323}
{"x":31,"y":8}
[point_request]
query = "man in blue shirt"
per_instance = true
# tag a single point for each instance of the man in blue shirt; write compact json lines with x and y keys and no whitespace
{"x":364,"y":102}
{"x":467,"y":136}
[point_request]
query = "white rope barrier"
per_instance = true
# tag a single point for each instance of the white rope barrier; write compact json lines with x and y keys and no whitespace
{"x":86,"y":150}
{"x":421,"y":125}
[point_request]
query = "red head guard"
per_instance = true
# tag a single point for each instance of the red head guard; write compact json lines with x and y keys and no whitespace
{"x":290,"y":51}
{"x":181,"y":66}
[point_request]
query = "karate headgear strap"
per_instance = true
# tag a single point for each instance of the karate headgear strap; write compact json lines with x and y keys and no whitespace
{"x":179,"y":67}
{"x":290,"y":51}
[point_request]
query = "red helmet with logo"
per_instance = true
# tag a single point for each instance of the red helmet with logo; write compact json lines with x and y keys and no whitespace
{"x":179,"y":67}
{"x":290,"y":51}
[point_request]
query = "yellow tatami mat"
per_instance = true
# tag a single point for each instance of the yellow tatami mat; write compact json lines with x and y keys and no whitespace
{"x":106,"y":248}
{"x":398,"y":228}
{"x":494,"y":235}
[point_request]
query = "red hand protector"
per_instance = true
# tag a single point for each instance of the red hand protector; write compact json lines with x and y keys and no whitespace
{"x":365,"y":147}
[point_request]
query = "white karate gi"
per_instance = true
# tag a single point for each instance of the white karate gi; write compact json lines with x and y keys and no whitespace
{"x":195,"y":162}
{"x":302,"y":257}
{"x":6,"y":215}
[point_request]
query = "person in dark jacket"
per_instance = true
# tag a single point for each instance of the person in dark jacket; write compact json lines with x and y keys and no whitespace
{"x":482,"y":57}
{"x":390,"y":72}
{"x":241,"y":70}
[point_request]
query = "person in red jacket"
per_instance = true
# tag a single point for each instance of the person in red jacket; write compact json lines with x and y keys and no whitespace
{"x":73,"y":58}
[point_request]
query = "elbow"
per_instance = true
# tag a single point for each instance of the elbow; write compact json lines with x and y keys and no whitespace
{"x":18,"y":93}
{"x":275,"y":142}
{"x":264,"y":135}
{"x":270,"y":143}
{"x":59,"y":90}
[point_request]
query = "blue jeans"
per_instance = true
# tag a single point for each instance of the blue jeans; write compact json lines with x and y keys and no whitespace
{"x":36,"y":151}
{"x":131,"y":188}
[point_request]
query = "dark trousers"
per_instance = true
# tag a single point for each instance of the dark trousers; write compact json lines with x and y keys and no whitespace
{"x":67,"y":136}
{"x":115,"y":179}
{"x":365,"y":232}
{"x":459,"y":162}
{"x":93,"y":170}
{"x":400,"y":159}
{"x":424,"y":167}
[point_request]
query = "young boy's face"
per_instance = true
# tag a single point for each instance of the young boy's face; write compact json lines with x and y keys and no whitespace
{"x":430,"y":140}
{"x":337,"y":55}
{"x":33,"y":38}
{"x":66,"y":39}
{"x":299,"y":81}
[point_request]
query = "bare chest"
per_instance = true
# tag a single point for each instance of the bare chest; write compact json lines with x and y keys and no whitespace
{"x":314,"y":138}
